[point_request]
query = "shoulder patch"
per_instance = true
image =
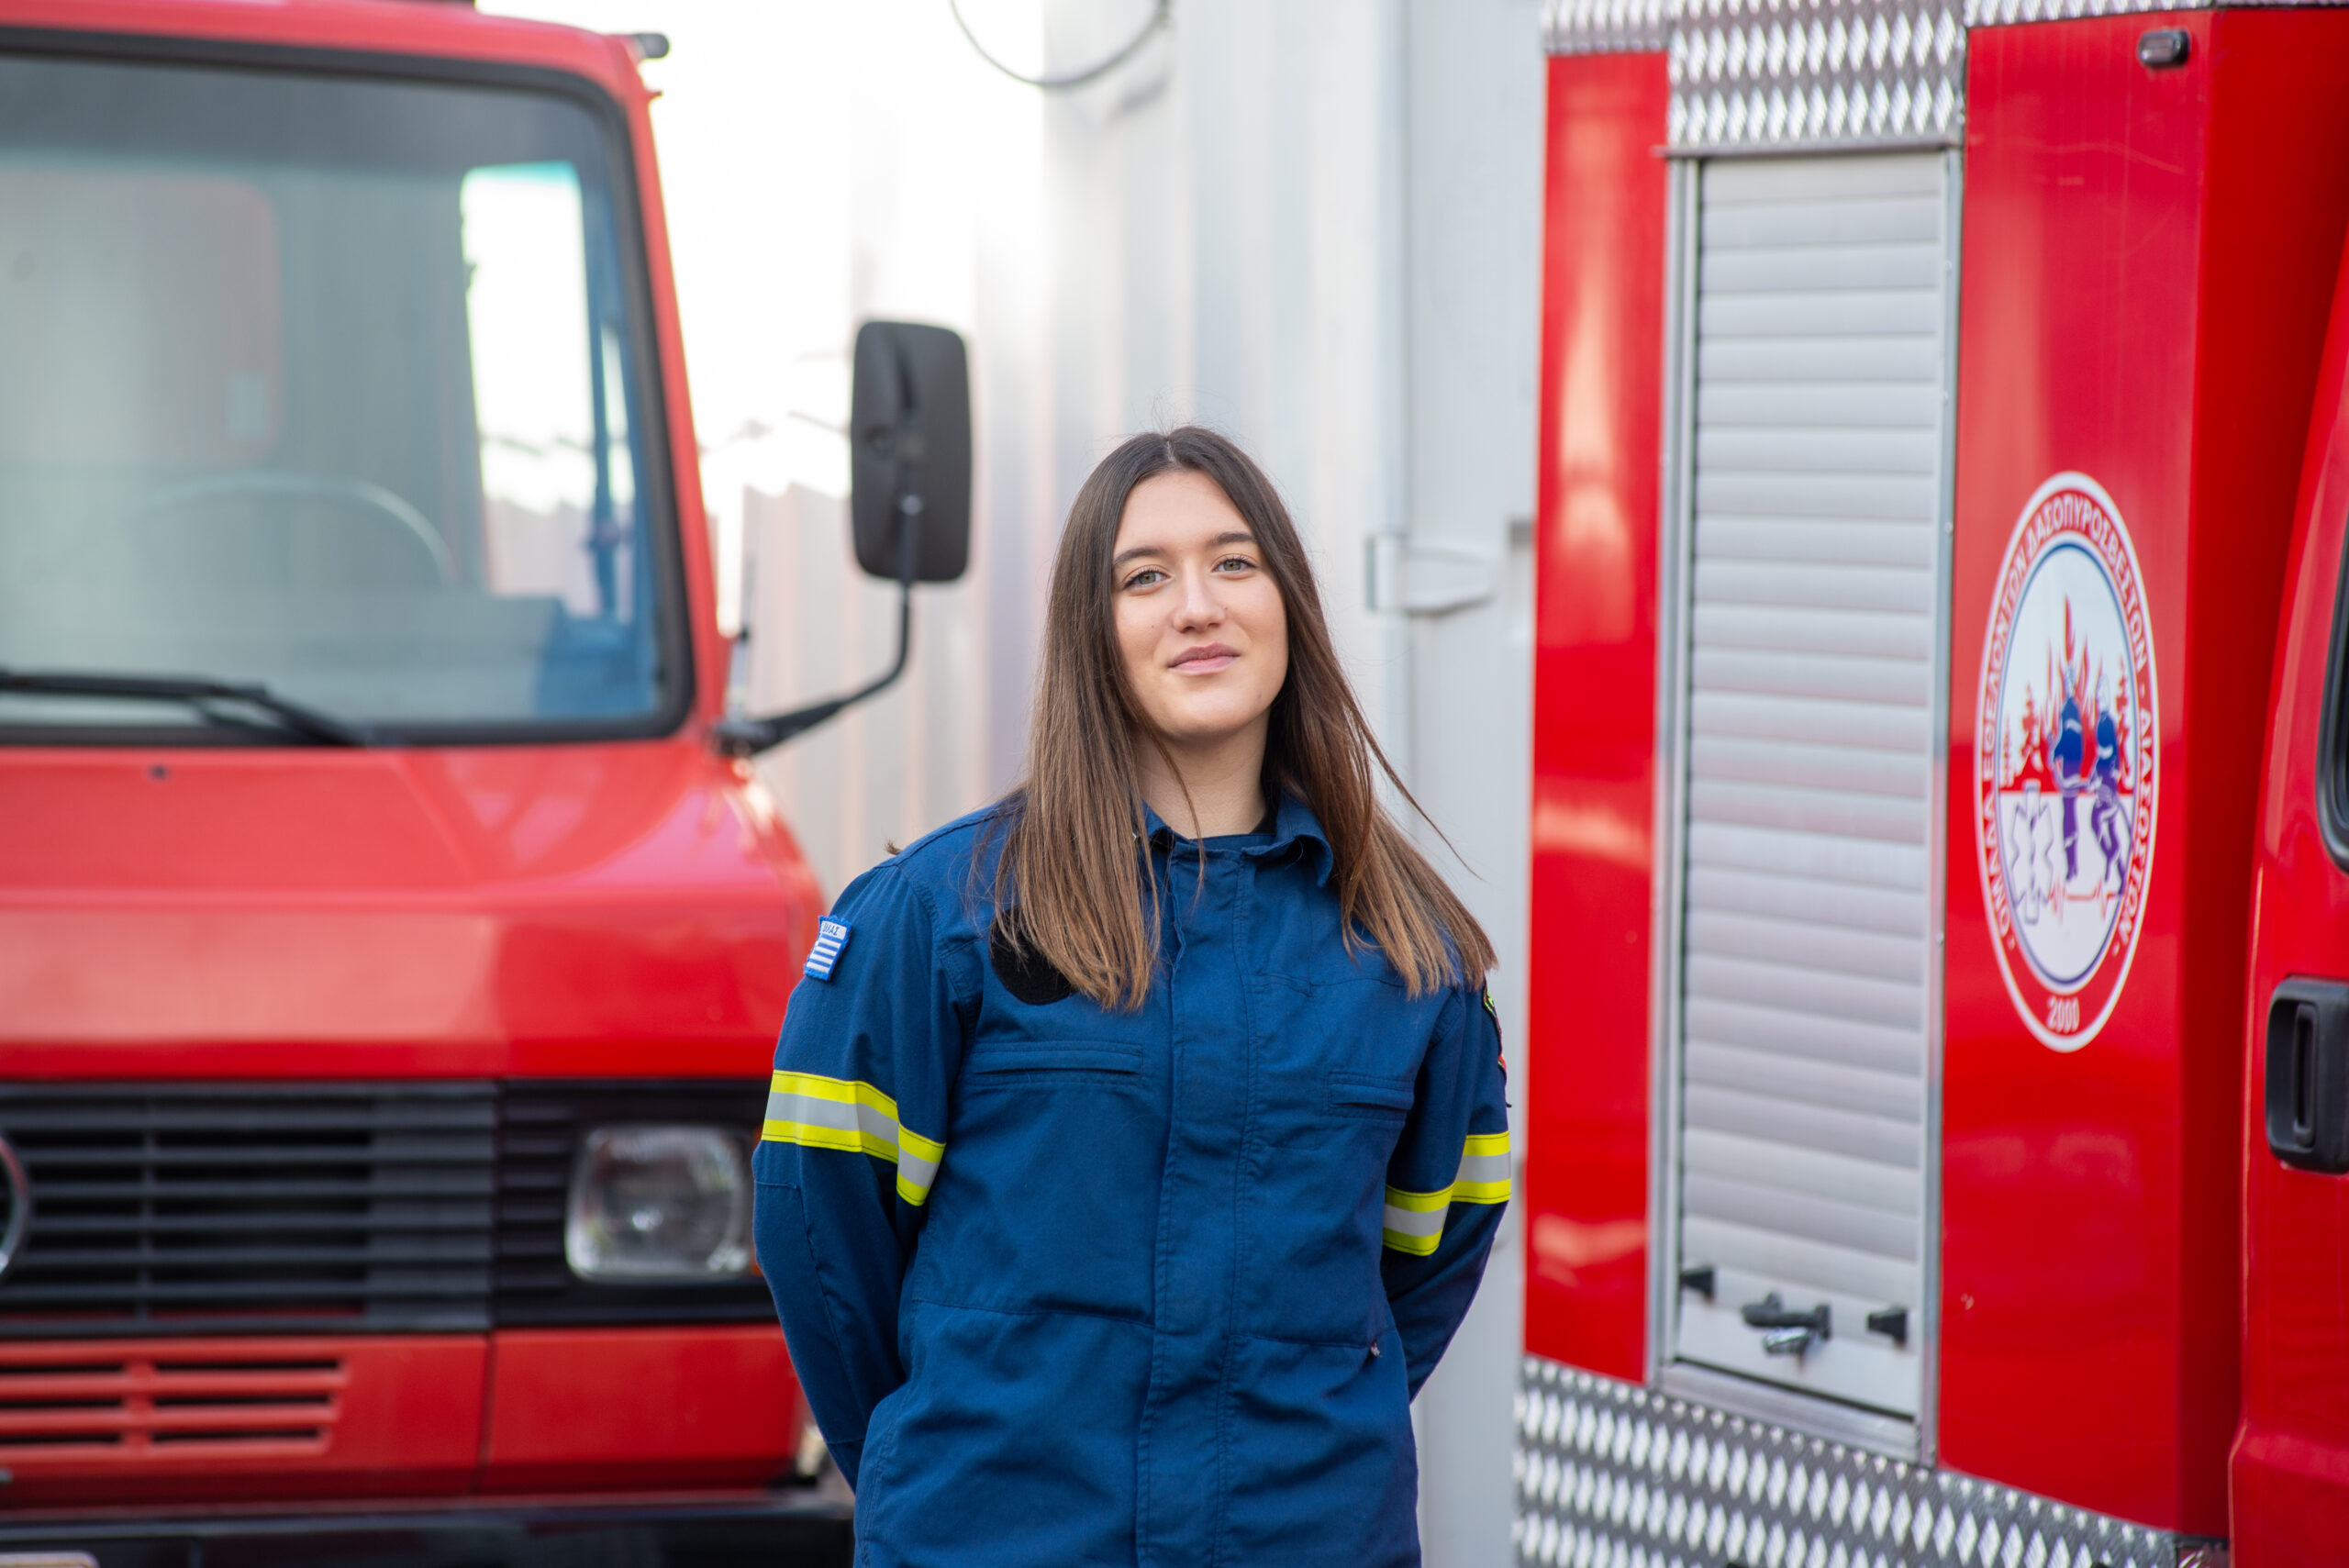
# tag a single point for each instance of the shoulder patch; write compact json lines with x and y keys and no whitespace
{"x":831,"y":935}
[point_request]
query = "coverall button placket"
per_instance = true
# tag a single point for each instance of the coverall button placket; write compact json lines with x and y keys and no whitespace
{"x":1197,"y":1241}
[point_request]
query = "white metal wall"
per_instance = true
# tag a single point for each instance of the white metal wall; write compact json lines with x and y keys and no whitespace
{"x":1473,"y":181}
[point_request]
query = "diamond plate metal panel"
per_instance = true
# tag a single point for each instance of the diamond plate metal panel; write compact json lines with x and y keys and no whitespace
{"x":1612,"y":1475}
{"x":1604,"y":27}
{"x":1788,"y":73}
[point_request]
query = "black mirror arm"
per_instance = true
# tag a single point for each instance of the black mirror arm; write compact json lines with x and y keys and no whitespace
{"x":745,"y":737}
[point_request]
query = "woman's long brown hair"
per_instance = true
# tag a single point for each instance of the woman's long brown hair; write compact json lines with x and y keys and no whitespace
{"x":1072,"y":885}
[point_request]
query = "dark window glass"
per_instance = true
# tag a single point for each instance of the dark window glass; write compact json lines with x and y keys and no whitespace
{"x":2332,"y":731}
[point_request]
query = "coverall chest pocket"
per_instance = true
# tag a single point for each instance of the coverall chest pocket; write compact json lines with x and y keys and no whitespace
{"x":1024,"y":1060}
{"x":1366,"y":1096}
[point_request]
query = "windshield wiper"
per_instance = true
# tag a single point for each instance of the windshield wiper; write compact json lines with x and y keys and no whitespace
{"x":196,"y":692}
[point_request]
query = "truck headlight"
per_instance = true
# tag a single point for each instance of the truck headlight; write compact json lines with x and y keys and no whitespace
{"x":654,"y":1203}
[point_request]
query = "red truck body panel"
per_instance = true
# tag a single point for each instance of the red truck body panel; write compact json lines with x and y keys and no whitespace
{"x":612,"y":909}
{"x":664,"y":1408}
{"x":2290,"y":1469}
{"x":2146,"y":265}
{"x":1594,"y":724}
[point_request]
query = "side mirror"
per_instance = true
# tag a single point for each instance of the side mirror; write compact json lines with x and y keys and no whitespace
{"x":909,"y":492}
{"x":909,"y":452}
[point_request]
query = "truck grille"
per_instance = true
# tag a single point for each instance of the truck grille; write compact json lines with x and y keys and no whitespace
{"x":61,"y":1401}
{"x":191,"y":1210}
{"x":175,"y":1209}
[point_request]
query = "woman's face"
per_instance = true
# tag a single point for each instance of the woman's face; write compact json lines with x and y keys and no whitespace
{"x":1201,"y":624}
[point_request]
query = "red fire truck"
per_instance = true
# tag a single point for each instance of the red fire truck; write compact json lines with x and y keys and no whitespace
{"x":1939,"y":1094}
{"x":392,"y":933}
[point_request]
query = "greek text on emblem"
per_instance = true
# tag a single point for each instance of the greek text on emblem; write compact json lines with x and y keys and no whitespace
{"x":2066,"y":760}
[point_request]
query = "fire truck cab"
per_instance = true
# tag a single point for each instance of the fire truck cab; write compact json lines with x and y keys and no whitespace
{"x":393,"y":932}
{"x":1937,"y":1091}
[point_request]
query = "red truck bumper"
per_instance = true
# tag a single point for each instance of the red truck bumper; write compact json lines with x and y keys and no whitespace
{"x":800,"y":1531}
{"x":262,"y":1419}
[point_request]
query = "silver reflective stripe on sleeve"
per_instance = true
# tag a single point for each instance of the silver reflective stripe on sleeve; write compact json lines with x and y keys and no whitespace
{"x":1484,"y":1169}
{"x":1413,"y":1222}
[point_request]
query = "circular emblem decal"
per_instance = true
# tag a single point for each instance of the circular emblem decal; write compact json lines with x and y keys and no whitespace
{"x":2066,"y":759}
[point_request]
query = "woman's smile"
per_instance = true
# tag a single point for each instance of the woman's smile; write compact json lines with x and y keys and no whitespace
{"x":1205,"y":660}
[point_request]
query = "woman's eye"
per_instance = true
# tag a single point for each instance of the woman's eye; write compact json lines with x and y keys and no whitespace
{"x":1145,"y":578}
{"x":1235,"y":563}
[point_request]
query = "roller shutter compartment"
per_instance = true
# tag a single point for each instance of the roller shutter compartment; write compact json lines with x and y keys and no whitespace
{"x":1816,"y":484}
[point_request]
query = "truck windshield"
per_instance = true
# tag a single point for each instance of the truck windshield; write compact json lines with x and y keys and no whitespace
{"x":329,"y":384}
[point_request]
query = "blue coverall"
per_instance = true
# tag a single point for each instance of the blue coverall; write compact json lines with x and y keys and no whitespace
{"x":1067,"y":1286}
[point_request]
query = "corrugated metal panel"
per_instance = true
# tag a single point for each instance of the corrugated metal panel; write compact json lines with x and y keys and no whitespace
{"x":1820,"y":357}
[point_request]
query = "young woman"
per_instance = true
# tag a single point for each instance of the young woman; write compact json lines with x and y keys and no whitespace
{"x":1135,"y":1144}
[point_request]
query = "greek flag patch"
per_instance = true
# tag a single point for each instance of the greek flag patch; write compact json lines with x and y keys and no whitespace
{"x":831,"y":935}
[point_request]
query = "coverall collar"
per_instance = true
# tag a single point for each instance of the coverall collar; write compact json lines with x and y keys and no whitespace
{"x":1294,"y":824}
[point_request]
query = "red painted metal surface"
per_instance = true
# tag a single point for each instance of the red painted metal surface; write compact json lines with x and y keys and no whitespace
{"x":1593,"y":713}
{"x":528,"y":1411}
{"x":2147,"y":268}
{"x":556,"y":910}
{"x":2290,"y":1469}
{"x":615,"y":909}
{"x":161,"y":1420}
{"x":639,"y":1407}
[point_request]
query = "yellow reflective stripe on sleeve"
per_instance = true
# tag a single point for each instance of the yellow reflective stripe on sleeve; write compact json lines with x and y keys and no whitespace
{"x":1413,"y":1222}
{"x":918,"y":1159}
{"x":816,"y":1112}
{"x":854,"y":1140}
{"x":1484,"y":1169}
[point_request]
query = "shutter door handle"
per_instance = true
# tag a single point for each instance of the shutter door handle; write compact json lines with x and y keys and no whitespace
{"x":1786,"y":1333}
{"x":2307,"y":1075}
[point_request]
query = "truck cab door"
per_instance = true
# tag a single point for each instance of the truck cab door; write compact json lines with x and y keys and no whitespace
{"x":2290,"y":1466}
